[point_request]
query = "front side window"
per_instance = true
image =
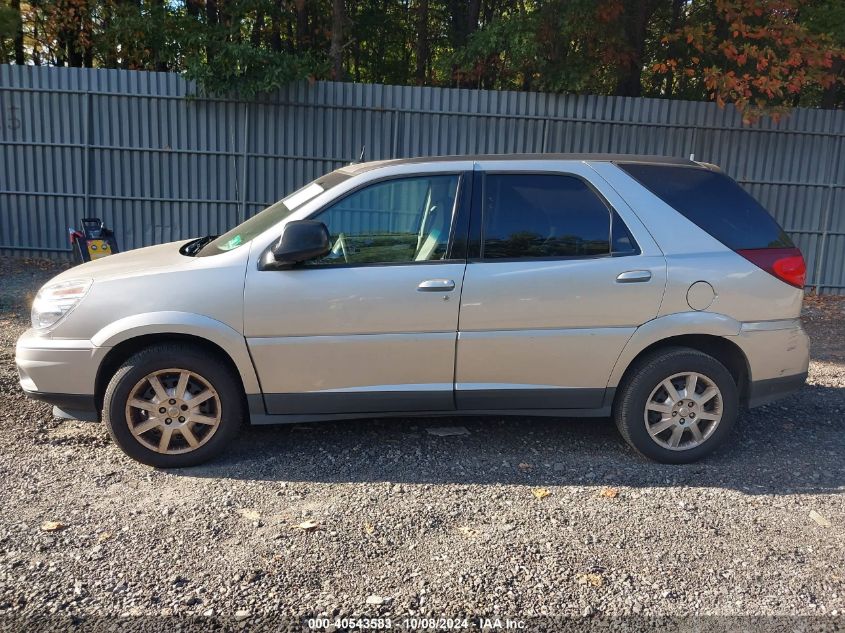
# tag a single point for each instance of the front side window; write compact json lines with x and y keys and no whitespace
{"x":395,"y":221}
{"x":543,"y":215}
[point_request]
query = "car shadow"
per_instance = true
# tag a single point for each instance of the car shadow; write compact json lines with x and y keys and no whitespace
{"x":793,"y":446}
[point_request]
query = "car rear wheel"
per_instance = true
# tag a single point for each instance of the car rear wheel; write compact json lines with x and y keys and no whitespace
{"x":173,"y":406}
{"x":676,"y":405}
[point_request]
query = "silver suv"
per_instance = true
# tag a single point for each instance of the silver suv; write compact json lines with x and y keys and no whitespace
{"x":652,"y":290}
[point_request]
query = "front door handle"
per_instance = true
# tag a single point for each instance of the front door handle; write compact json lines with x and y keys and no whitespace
{"x":436,"y":285}
{"x":633,"y":276}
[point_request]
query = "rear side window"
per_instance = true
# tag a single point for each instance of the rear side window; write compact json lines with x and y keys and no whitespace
{"x":544,"y":215}
{"x":714,"y":202}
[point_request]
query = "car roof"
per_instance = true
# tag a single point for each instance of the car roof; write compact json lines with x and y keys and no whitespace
{"x":355,"y":168}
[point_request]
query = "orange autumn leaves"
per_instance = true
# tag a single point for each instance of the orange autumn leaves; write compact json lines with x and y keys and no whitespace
{"x":755,"y":54}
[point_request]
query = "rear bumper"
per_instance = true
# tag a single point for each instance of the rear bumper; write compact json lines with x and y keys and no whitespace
{"x":778,"y":354}
{"x":765,"y":391}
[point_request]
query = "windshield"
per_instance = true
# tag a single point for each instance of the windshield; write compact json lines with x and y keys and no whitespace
{"x":272,"y":215}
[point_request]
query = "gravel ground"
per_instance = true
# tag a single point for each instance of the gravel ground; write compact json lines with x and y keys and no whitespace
{"x":408,"y":523}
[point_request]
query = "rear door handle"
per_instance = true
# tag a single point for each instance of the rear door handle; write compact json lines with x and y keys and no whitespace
{"x":633,"y":276}
{"x":436,"y":285}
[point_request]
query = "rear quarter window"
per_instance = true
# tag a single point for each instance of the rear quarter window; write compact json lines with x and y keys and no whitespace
{"x":714,"y":202}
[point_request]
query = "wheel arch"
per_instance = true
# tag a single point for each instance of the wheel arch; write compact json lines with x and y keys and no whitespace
{"x":707,"y":332}
{"x":722,"y":349}
{"x":125,"y":337}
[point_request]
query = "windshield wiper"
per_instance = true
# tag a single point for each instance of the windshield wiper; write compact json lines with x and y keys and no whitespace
{"x":195,"y":246}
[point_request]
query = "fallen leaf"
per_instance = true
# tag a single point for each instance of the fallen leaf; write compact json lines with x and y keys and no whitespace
{"x":369,"y":528}
{"x":308,"y":525}
{"x":447,"y":431}
{"x":105,"y":536}
{"x":376,"y":600}
{"x":525,"y":467}
{"x":540,"y":493}
{"x":818,"y":518}
{"x":609,"y":493}
{"x":249,"y":514}
{"x":52,"y":526}
{"x":591,"y":580}
{"x":467,"y":531}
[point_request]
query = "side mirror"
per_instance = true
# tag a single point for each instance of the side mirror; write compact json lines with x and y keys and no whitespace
{"x":301,"y":240}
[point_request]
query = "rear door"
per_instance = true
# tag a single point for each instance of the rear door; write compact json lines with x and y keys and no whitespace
{"x":372,"y":326}
{"x":560,"y":275}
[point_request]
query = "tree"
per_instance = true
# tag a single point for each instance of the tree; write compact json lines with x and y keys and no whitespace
{"x":763,"y":56}
{"x":635,"y":18}
{"x":755,"y":54}
{"x":339,"y":21}
{"x":827,"y":18}
{"x":18,"y":40}
{"x":423,"y":47}
{"x":10,"y":26}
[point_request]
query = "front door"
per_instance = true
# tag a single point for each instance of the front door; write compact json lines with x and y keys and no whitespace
{"x":556,"y":290}
{"x":371,"y":327}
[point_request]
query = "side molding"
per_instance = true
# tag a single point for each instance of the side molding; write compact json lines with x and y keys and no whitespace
{"x":217,"y":332}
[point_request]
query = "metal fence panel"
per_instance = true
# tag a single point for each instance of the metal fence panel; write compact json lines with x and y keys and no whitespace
{"x":158,"y":164}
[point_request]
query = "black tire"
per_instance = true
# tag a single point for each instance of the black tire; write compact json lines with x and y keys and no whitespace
{"x":645,"y":376}
{"x":181,"y":356}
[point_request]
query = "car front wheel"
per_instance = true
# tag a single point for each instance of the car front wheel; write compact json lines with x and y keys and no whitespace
{"x":173,"y":406}
{"x":676,"y":405}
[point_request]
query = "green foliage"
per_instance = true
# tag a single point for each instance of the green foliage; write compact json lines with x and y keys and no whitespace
{"x":827,"y":17}
{"x":10,"y":20}
{"x":379,"y":49}
{"x":662,"y":48}
{"x":244,"y":71}
{"x":148,"y":36}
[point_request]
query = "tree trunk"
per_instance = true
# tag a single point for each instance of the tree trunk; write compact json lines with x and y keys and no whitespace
{"x":36,"y":47}
{"x":301,"y":25}
{"x":212,"y":18}
{"x":19,"y":57}
{"x":473,"y":13}
{"x":423,"y":47}
{"x":463,"y":20}
{"x":88,"y":37}
{"x":257,"y":28}
{"x":159,"y":10}
{"x":832,"y":96}
{"x":675,"y":47}
{"x":276,"y":27}
{"x":635,"y":17}
{"x":338,"y":38}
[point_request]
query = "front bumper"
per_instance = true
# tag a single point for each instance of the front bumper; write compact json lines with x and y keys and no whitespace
{"x":70,"y":406}
{"x":61,"y":372}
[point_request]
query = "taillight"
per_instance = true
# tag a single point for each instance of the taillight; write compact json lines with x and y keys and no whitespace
{"x":787,"y":264}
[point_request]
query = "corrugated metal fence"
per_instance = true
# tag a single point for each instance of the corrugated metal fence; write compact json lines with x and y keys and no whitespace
{"x":135,"y":149}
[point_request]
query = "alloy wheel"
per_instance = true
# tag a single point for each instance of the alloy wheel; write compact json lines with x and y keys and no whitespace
{"x":173,"y":411}
{"x":683,"y":411}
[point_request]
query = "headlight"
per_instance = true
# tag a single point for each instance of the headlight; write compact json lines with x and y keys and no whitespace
{"x":54,"y":301}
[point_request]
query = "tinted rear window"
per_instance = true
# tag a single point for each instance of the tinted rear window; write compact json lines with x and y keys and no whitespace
{"x":714,"y":202}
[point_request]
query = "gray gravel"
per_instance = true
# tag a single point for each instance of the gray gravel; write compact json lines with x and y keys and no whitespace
{"x":410,"y":523}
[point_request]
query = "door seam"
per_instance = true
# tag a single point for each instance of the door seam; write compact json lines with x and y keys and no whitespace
{"x":457,"y":337}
